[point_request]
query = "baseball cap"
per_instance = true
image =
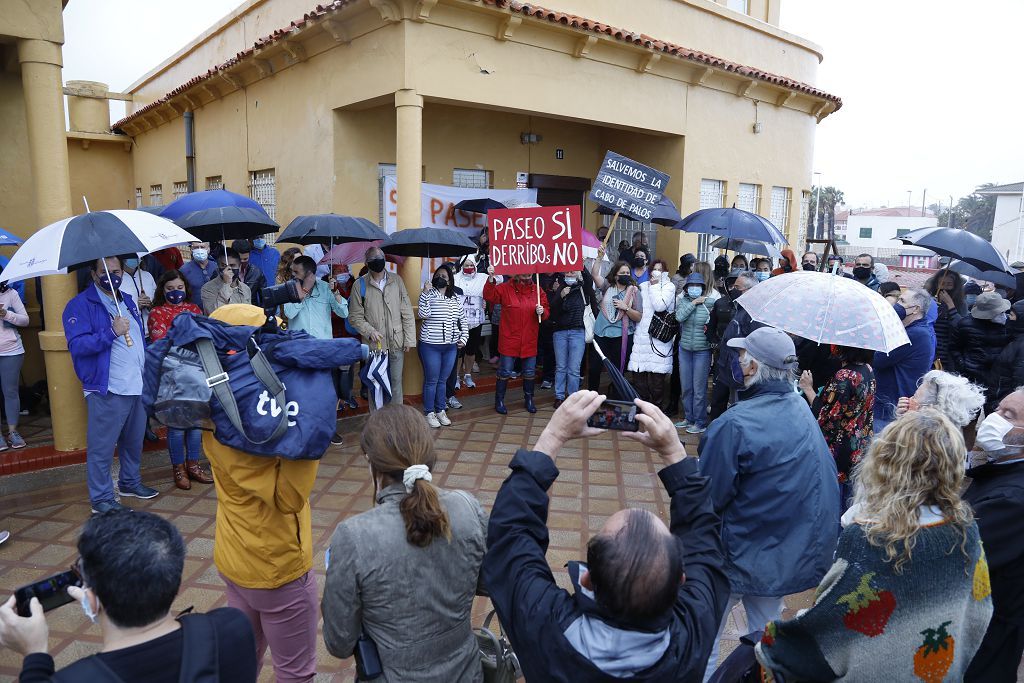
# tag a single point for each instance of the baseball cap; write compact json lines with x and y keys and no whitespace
{"x":770,"y":346}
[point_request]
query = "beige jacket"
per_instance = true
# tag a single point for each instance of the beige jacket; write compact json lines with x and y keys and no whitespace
{"x":388,"y":312}
{"x":216,"y":293}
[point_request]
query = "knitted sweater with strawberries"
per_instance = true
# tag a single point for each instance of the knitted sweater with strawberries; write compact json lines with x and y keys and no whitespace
{"x":869,"y":623}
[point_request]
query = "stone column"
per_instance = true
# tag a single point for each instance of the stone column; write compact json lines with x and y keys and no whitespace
{"x":48,"y":153}
{"x":409,"y":162}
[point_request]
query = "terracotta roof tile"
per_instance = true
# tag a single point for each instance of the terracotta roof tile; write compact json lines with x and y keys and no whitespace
{"x":535,"y":11}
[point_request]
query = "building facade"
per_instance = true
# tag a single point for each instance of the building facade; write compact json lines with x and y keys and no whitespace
{"x":1008,"y":221}
{"x":874,"y":232}
{"x":309,"y":117}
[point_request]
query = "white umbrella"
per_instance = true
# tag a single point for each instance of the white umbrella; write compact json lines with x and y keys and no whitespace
{"x":827,"y":309}
{"x":85,"y":238}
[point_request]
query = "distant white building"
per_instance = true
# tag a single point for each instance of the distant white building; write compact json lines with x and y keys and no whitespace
{"x":874,"y":231}
{"x":1007,"y":231}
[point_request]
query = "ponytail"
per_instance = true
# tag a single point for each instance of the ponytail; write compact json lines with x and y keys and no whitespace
{"x":423,"y":515}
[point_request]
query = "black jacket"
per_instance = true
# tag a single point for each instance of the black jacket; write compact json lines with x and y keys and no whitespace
{"x":721,"y":315}
{"x":255,"y":281}
{"x":944,"y":324}
{"x":996,"y":494}
{"x":740,"y":326}
{"x":975,"y":345}
{"x":567,"y":311}
{"x":536,"y":613}
{"x":818,"y":359}
{"x":1008,"y":369}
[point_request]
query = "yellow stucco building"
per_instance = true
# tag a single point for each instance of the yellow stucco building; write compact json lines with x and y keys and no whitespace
{"x":307,"y":108}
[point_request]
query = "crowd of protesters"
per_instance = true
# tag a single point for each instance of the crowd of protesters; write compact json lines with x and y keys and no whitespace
{"x":867,"y":475}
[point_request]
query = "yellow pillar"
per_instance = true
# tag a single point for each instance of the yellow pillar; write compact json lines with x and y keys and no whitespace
{"x":48,"y":153}
{"x":409,"y":175}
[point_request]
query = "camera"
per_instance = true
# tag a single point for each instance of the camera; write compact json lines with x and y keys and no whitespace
{"x":618,"y":415}
{"x":51,"y":591}
{"x":285,"y":293}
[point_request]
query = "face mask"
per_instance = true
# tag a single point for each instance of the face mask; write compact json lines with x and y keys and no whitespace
{"x":810,"y":266}
{"x":623,"y":279}
{"x":571,"y":281}
{"x":132,"y":263}
{"x":342,"y":278}
{"x":439,"y":282}
{"x":87,"y":608}
{"x":735,"y":272}
{"x":900,"y":310}
{"x":762,"y":275}
{"x":200,"y":254}
{"x":469,"y":272}
{"x":992,"y":431}
{"x":259,"y":243}
{"x":111,"y":283}
{"x":862,"y":272}
{"x":735,"y":294}
{"x":694,"y":292}
{"x":970,"y":299}
{"x":639,"y":262}
{"x":656,"y":275}
{"x":736,"y":369}
{"x":375,"y":265}
{"x":175,"y":296}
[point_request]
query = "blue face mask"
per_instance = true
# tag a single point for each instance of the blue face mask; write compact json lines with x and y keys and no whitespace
{"x":132,"y":263}
{"x":571,"y":281}
{"x":762,"y":275}
{"x":694,"y":292}
{"x":900,"y":310}
{"x":259,"y":243}
{"x":175,"y":296}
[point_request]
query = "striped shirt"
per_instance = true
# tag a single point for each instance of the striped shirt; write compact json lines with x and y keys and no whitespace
{"x":444,"y":319}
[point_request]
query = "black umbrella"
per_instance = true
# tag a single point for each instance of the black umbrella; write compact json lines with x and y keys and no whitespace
{"x":996,"y":277}
{"x":665,"y":213}
{"x":958,"y":244}
{"x":479,"y":205}
{"x":330,"y":228}
{"x":228,"y":222}
{"x":620,"y":385}
{"x":429,"y":243}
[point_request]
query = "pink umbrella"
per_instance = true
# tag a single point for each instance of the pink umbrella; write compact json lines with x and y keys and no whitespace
{"x":355,"y":252}
{"x":590,"y":245}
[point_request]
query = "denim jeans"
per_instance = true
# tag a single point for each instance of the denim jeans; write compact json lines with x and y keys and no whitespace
{"x":438,"y":361}
{"x":182,"y":441}
{"x":694,"y":367}
{"x":114,"y":421}
{"x":569,"y":348}
{"x":506,"y":366}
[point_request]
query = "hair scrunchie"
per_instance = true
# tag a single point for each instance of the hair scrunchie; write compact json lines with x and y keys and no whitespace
{"x":414,"y":472}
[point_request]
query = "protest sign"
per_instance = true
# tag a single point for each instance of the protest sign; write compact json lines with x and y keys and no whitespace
{"x":628,"y":187}
{"x":545,"y":239}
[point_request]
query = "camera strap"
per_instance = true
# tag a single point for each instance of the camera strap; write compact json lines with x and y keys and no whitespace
{"x":217,"y":380}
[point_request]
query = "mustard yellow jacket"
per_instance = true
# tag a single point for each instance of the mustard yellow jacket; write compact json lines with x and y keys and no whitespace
{"x":264,"y":528}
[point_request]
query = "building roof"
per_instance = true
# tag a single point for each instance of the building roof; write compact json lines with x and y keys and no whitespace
{"x":1012,"y":188}
{"x":321,"y":12}
{"x":892,"y":211}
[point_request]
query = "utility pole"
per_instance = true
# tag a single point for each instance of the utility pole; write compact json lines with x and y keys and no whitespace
{"x":908,"y":201}
{"x":949,"y":218}
{"x":923,"y":195}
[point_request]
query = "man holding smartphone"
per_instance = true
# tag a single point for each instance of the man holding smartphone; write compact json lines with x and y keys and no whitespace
{"x":633,"y":610}
{"x":228,"y":288}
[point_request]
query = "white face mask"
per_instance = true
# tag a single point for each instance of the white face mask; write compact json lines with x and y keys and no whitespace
{"x":87,"y":607}
{"x":992,"y":431}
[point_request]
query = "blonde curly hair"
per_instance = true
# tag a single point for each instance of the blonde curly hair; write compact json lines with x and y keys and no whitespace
{"x":918,"y":460}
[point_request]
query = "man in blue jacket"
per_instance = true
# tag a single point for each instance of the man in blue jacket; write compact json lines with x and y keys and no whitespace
{"x":897,"y":373}
{"x":107,"y":347}
{"x":773,"y":482}
{"x":634,"y":615}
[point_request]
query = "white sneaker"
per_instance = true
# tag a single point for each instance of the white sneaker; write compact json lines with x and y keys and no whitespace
{"x":442,"y":417}
{"x":458,"y":384}
{"x":432,"y":421}
{"x":468,"y":382}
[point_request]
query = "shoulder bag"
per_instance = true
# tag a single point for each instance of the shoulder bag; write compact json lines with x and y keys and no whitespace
{"x":588,"y":318}
{"x":499,"y":662}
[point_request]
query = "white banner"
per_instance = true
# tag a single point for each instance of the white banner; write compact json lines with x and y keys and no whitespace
{"x":438,"y":211}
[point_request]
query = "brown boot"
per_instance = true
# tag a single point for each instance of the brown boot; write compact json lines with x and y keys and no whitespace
{"x":197,"y":473}
{"x":181,"y":477}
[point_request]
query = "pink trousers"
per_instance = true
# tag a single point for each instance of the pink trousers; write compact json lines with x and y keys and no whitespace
{"x":284,"y":618}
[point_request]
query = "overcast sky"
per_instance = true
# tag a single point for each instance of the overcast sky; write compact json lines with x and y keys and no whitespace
{"x":932,"y":90}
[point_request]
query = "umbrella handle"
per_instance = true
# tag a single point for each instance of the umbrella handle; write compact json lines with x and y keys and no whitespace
{"x":598,"y":349}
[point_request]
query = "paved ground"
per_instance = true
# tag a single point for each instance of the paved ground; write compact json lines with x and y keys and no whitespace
{"x":598,"y":478}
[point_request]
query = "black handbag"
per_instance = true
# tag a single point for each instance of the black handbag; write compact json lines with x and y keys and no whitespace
{"x":664,"y":326}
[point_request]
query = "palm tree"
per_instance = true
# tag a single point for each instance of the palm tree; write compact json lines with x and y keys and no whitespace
{"x":826,"y":212}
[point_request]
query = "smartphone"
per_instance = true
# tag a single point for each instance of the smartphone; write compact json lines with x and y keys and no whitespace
{"x":619,"y":415}
{"x":52,"y":592}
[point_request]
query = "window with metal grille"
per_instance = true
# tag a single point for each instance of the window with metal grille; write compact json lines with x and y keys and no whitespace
{"x":779,"y":210}
{"x":156,"y":195}
{"x":712,"y":196}
{"x":805,"y":208}
{"x":138,"y":197}
{"x":748,"y":197}
{"x":180,"y":189}
{"x":624,"y":231}
{"x":214,"y":182}
{"x":263,"y":190}
{"x":383,"y":171}
{"x":472,"y":177}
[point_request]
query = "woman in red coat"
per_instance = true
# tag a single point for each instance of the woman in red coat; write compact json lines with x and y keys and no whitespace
{"x":517,"y":338}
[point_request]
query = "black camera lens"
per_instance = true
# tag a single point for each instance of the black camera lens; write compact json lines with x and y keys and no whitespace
{"x":278,"y":295}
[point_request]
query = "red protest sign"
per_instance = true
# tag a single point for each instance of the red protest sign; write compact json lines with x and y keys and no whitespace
{"x":544,"y":239}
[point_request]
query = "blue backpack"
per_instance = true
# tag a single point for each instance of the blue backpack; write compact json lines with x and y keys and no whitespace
{"x":263,"y":392}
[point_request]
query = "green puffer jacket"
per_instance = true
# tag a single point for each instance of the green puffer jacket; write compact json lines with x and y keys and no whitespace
{"x":692,"y":320}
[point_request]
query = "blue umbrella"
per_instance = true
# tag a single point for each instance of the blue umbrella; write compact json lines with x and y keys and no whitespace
{"x":154,"y":209}
{"x":227,"y":222}
{"x":733,"y":223}
{"x":9,"y":239}
{"x":376,"y":378}
{"x":482,"y":205}
{"x":208,"y":199}
{"x":665,"y":213}
{"x":331,"y":228}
